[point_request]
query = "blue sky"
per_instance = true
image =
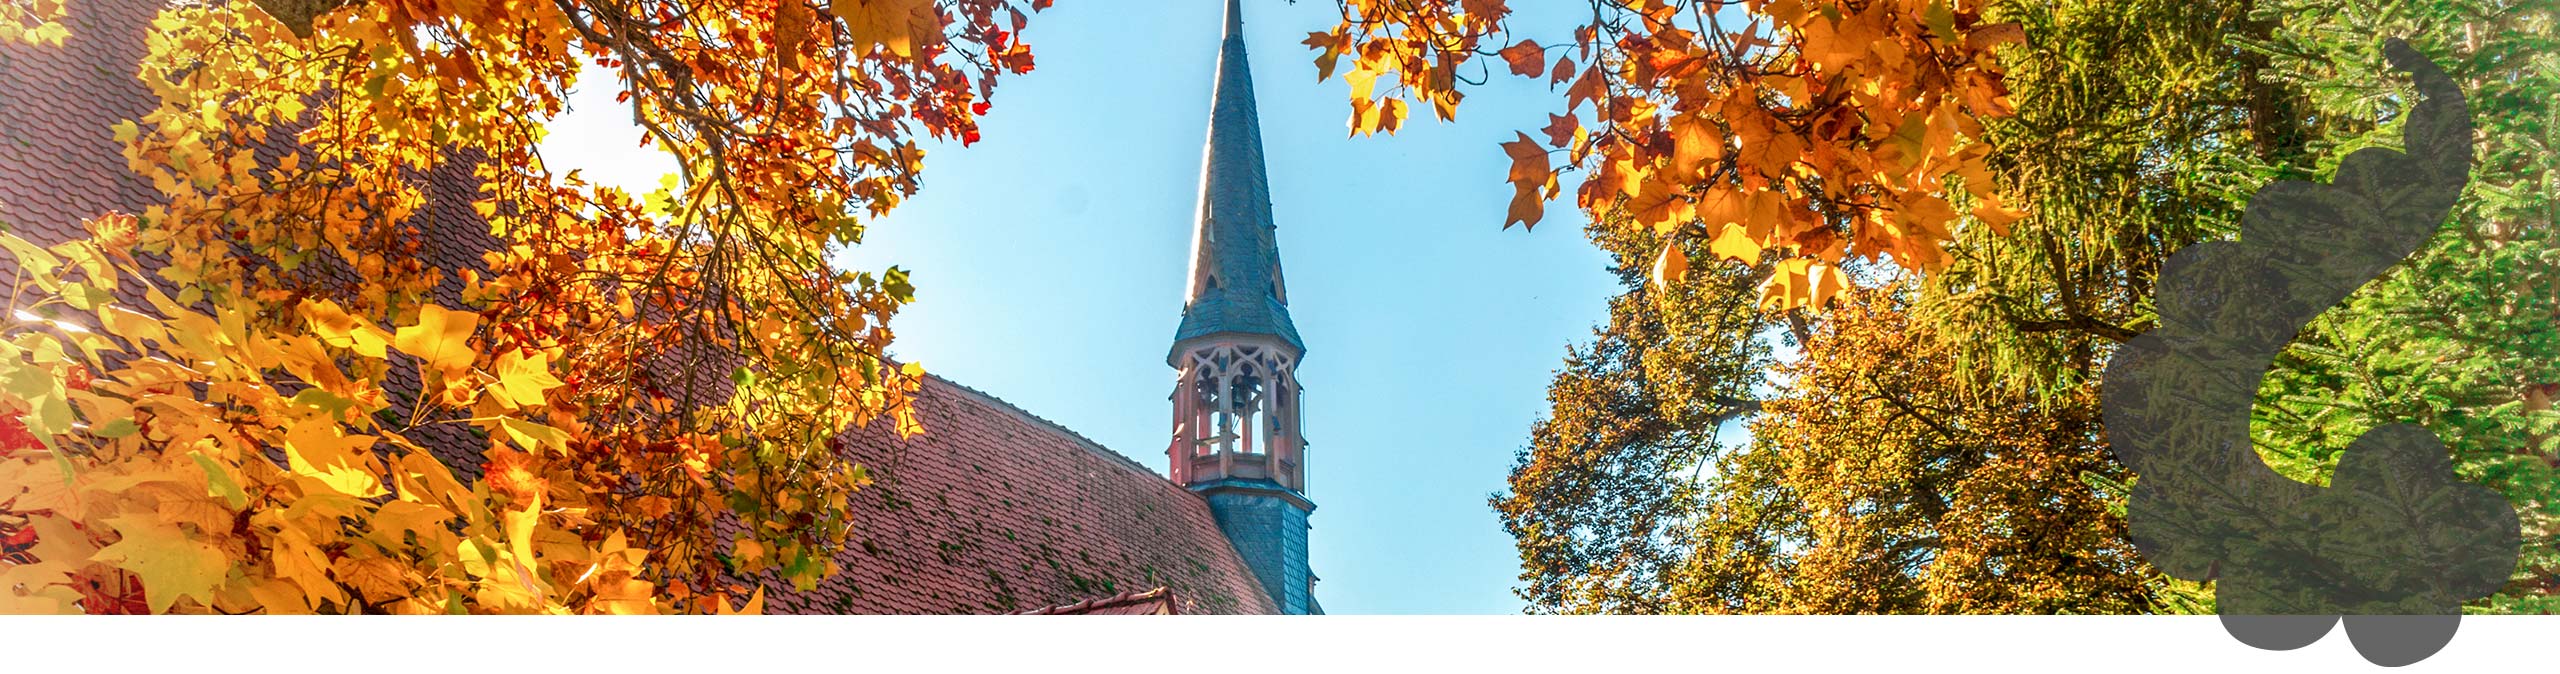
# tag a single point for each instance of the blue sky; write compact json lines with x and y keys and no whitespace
{"x":1049,"y":260}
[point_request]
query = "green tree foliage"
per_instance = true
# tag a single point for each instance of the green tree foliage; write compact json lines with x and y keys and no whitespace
{"x":1889,"y":488}
{"x":1932,"y":443}
{"x":1602,"y":498}
{"x":2134,"y":121}
{"x":2463,"y":338}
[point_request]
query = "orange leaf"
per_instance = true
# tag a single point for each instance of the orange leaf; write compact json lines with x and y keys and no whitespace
{"x":1735,"y":244}
{"x":1589,"y":88}
{"x":1694,"y":142}
{"x":1562,"y":129}
{"x":1531,"y":175}
{"x":1527,"y":58}
{"x":1991,"y":212}
{"x":1669,"y":265}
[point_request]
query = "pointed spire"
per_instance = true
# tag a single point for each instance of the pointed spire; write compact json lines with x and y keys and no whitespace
{"x":1236,"y":284}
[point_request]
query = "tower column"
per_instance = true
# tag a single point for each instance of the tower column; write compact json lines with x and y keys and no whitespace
{"x":1236,"y":439}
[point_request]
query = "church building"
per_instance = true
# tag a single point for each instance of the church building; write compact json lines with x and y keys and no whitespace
{"x":993,"y":509}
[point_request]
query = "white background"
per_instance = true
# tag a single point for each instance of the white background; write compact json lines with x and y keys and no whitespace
{"x":1202,"y":644}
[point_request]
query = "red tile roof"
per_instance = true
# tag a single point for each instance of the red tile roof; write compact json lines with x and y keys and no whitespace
{"x":994,"y":510}
{"x":59,"y":162}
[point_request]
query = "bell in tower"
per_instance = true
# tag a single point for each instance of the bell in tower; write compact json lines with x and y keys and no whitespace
{"x":1235,"y":413}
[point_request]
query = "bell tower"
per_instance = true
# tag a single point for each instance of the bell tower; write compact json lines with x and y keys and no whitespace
{"x":1236,"y":398}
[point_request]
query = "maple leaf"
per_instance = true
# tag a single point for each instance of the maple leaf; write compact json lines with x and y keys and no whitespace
{"x":1694,"y":141}
{"x":441,"y":339}
{"x":377,"y":579}
{"x":47,"y":589}
{"x":170,"y":563}
{"x":534,"y":437}
{"x":1762,"y":141}
{"x":1723,"y":206}
{"x":1735,"y":243}
{"x":337,"y":327}
{"x":522,"y":380}
{"x":1991,"y":212}
{"x":1527,"y":59}
{"x":897,"y":25}
{"x":1669,"y":265}
{"x":754,"y":605}
{"x":1562,"y":130}
{"x":318,"y":451}
{"x":624,"y":596}
{"x":1589,"y":88}
{"x":1531,"y":177}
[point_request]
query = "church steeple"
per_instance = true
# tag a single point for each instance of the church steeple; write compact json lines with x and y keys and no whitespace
{"x":1236,"y":397}
{"x":1236,"y":286}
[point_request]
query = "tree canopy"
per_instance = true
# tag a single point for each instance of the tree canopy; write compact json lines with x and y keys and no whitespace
{"x":1922,"y":425}
{"x":236,"y":399}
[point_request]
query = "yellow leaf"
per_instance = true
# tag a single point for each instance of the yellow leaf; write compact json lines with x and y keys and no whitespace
{"x":441,"y":338}
{"x":1669,"y":265}
{"x":334,"y":325}
{"x":895,"y":24}
{"x":1991,"y":212}
{"x":398,"y":520}
{"x":47,"y":588}
{"x":1722,"y":206}
{"x":29,"y":484}
{"x":170,"y":563}
{"x":31,"y":257}
{"x":218,"y":481}
{"x":1735,"y":243}
{"x":521,"y":380}
{"x":520,"y":524}
{"x":1787,"y":286}
{"x":1826,"y":281}
{"x":754,"y":606}
{"x":378,"y":579}
{"x":318,"y":450}
{"x":534,"y":437}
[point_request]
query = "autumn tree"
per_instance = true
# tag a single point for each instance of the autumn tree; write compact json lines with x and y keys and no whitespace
{"x":1602,"y":501}
{"x":1867,"y":486}
{"x":1808,"y":132}
{"x":258,"y":396}
{"x":1874,"y":484}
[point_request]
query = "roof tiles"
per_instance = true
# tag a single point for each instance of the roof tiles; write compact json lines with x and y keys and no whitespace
{"x":994,"y":510}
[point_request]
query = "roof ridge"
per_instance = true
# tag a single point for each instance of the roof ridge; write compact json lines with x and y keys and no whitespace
{"x":1121,"y":599}
{"x":1087,"y":443}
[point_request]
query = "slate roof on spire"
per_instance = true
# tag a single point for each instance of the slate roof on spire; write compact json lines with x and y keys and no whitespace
{"x":1236,"y":283}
